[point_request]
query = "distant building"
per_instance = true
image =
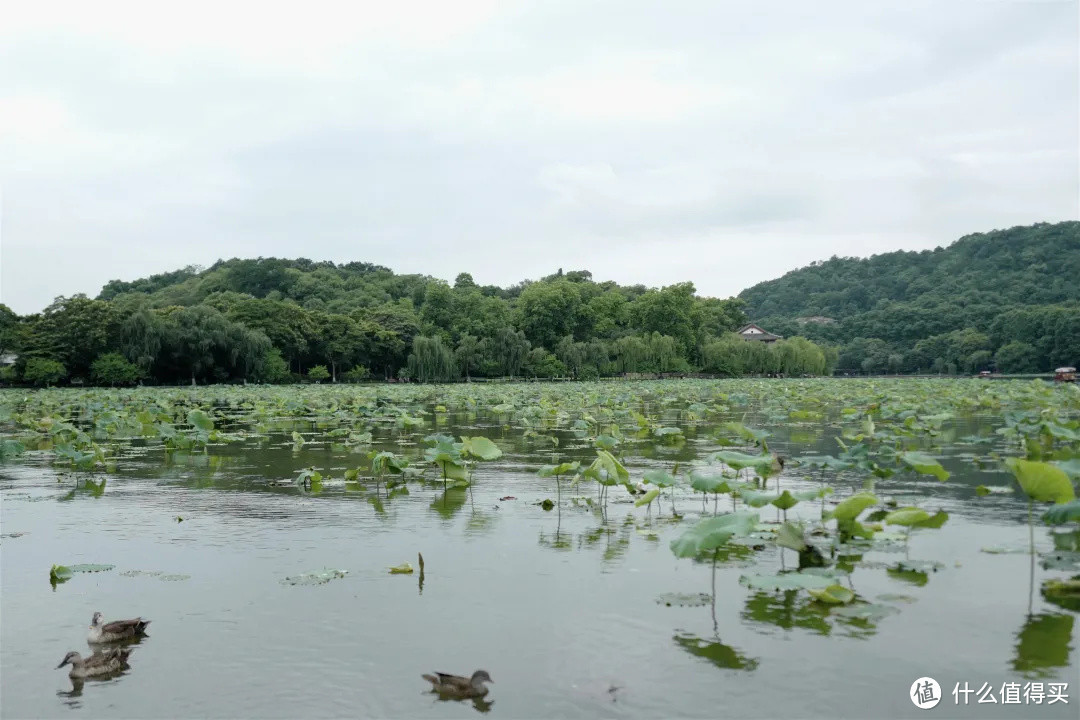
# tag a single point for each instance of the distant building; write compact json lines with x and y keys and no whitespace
{"x":753,"y":332}
{"x":8,"y":359}
{"x":1065,"y":374}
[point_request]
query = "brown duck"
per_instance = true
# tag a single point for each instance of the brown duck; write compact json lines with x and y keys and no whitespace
{"x":455,"y":686}
{"x":97,"y":664}
{"x":102,"y":632}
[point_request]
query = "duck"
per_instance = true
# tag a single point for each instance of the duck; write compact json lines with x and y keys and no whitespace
{"x":97,"y":664}
{"x":455,"y":686}
{"x":101,"y":632}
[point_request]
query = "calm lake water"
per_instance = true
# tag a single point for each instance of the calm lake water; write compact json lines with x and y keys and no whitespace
{"x":562,"y":607}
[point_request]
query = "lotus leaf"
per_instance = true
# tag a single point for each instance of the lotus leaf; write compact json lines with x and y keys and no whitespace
{"x":711,"y":533}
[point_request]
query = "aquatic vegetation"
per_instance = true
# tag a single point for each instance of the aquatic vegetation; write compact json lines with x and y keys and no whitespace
{"x":315,"y":578}
{"x":62,"y":573}
{"x":863,"y":473}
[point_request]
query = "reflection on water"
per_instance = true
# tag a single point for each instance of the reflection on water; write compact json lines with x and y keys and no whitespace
{"x":716,"y":652}
{"x":786,"y":610}
{"x":588,"y":604}
{"x":450,"y":502}
{"x":1042,"y":645}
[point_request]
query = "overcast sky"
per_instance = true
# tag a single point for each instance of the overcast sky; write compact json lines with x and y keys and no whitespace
{"x":649,"y":142}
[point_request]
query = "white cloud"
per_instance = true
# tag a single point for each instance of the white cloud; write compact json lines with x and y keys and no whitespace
{"x":722,"y":142}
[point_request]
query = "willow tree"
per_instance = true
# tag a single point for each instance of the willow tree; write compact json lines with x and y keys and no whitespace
{"x":431,"y":361}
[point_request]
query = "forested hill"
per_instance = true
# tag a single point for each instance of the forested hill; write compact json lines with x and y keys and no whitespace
{"x":273,"y":320}
{"x":1008,"y":299}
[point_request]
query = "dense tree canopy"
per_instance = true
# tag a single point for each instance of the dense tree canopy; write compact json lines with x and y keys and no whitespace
{"x":272,"y":320}
{"x":1006,"y":300}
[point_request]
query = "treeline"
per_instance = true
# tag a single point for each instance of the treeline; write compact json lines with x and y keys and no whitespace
{"x":1006,"y":300}
{"x":271,"y":320}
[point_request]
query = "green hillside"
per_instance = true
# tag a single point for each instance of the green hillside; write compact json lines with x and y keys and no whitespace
{"x":273,"y":320}
{"x":1007,"y":299}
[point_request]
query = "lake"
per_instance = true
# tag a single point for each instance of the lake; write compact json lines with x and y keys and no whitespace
{"x":581,"y":610}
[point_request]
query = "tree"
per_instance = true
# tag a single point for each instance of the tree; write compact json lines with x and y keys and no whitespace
{"x":114,"y":369}
{"x":542,"y":364}
{"x":431,"y":361}
{"x":9,"y":323}
{"x":668,"y":312}
{"x":468,"y":354}
{"x":510,"y":348}
{"x":1016,"y":358}
{"x":358,"y":373}
{"x":318,"y":373}
{"x":341,"y":341}
{"x":44,"y":371}
{"x":547,"y":311}
{"x":273,"y":368}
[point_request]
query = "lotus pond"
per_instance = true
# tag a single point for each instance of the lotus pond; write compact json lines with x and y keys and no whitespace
{"x":743,"y":548}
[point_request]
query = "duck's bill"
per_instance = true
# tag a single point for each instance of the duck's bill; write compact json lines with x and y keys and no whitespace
{"x":61,"y":664}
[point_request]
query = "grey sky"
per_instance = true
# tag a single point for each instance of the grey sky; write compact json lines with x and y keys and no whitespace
{"x":651,"y":142}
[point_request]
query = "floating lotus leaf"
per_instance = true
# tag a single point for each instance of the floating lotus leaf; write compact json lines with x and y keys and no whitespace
{"x":787,"y":581}
{"x":983,"y":490}
{"x":865,"y":611}
{"x":315,"y":578}
{"x":684,"y":599}
{"x":402,"y":569}
{"x":833,"y":595}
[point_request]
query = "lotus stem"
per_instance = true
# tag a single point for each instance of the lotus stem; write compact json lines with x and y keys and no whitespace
{"x":1031,"y":539}
{"x":716,"y":552}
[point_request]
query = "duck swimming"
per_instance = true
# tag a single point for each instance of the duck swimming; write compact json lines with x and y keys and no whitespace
{"x":455,"y":686}
{"x":102,"y":632}
{"x":97,"y":664}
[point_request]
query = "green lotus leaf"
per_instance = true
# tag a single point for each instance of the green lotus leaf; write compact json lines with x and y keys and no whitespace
{"x":922,"y":463}
{"x":832,"y":595}
{"x":1063,"y":513}
{"x":786,"y":501}
{"x":711,"y":533}
{"x":850,"y":508}
{"x":647,"y":497}
{"x":1042,"y":481}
